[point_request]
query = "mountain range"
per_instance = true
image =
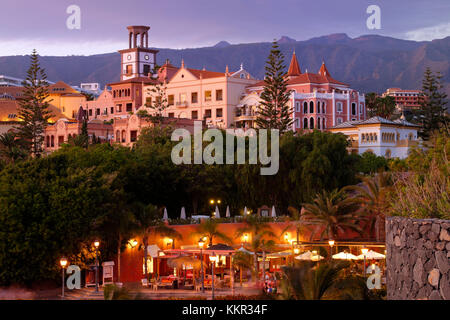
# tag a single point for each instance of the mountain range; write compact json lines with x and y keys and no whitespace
{"x":367,"y":63}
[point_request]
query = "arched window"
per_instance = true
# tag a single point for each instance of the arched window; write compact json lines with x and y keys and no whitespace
{"x":324,"y":107}
{"x":388,"y":153}
{"x":339,"y":107}
{"x":123,"y":136}
{"x":52,"y":144}
{"x":48,"y":141}
{"x":311,"y":123}
{"x":363,"y":137}
{"x":318,"y":107}
{"x":324,"y":123}
{"x":318,"y":121}
{"x":353,"y":108}
{"x":297,"y":123}
{"x":311,"y":107}
{"x":117,"y":136}
{"x":305,"y":107}
{"x":305,"y":123}
{"x":297,"y":106}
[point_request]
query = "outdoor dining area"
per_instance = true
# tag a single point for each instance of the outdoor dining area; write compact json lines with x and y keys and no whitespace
{"x":200,"y":268}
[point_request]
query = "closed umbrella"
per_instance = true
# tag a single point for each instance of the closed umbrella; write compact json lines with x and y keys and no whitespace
{"x":371,"y":255}
{"x":242,"y":249}
{"x":344,"y":256}
{"x":245,"y":211}
{"x":165,"y":216}
{"x":273,"y":212}
{"x":228,"y":212}
{"x":217,"y":213}
{"x":183,"y":213}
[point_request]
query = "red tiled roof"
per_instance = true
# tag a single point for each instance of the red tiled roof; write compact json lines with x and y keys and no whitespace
{"x":205,"y":73}
{"x":294,"y":68}
{"x":323,"y":71}
{"x":11,"y":107}
{"x":306,"y":78}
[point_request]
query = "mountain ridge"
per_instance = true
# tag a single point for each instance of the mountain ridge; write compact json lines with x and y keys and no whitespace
{"x":367,"y":63}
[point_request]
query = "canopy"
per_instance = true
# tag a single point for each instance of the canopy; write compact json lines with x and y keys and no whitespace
{"x":344,"y":256}
{"x":308,"y":255}
{"x":280,"y":254}
{"x":371,"y":255}
{"x":217,"y":213}
{"x":152,"y":250}
{"x":183,"y":213}
{"x":165,"y":216}
{"x":274,"y":214}
{"x":228,"y":212}
{"x":184,"y":261}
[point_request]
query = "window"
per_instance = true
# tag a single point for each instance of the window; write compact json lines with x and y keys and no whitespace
{"x":311,"y":107}
{"x":208,"y":113}
{"x":90,"y":112}
{"x":112,"y":110}
{"x":123,"y":136}
{"x":318,"y":123}
{"x":105,"y":111}
{"x":52,"y":141}
{"x":97,"y":111}
{"x":48,"y":141}
{"x":353,"y":108}
{"x":194,"y":97}
{"x":219,"y":113}
{"x":171,"y":115}
{"x":170,"y":100}
{"x":324,"y":107}
{"x":297,"y":123}
{"x":318,"y":106}
{"x":305,"y":123}
{"x":305,"y":107}
{"x":117,"y":136}
{"x":129,"y":69}
{"x":148,"y":102}
{"x":311,"y":123}
{"x":133,"y":135}
{"x":194,"y":115}
{"x":183,"y":98}
{"x":119,"y":108}
{"x":146,"y":69}
{"x":297,"y":106}
{"x":129,"y":107}
{"x":219,"y":95}
{"x":339,"y":107}
{"x":208,"y":95}
{"x":361,"y":108}
{"x":339,"y":120}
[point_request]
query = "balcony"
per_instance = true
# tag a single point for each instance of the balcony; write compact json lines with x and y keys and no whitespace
{"x":245,"y":116}
{"x":182,"y":104}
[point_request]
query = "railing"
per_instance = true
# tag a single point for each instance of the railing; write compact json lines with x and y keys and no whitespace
{"x":182,"y":104}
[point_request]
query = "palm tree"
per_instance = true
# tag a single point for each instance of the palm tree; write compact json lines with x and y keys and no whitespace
{"x":259,"y":230}
{"x":333,"y":211}
{"x":372,"y":197}
{"x":243,"y":261}
{"x":147,"y":221}
{"x":210,"y":229}
{"x":11,"y":149}
{"x":313,"y":282}
{"x":296,"y":222}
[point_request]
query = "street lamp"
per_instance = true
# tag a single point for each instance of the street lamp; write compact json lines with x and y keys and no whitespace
{"x":364,"y":252}
{"x":213,"y":260}
{"x":201,"y":243}
{"x":96,"y":245}
{"x":331,"y":243}
{"x":245,"y":237}
{"x":63,"y":263}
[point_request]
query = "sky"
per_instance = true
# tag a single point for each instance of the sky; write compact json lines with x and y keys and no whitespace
{"x":199,"y":23}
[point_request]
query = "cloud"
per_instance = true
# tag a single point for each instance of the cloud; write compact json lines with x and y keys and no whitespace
{"x":429,"y":33}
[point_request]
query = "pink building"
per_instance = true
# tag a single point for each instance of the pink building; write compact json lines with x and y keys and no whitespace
{"x":318,"y":100}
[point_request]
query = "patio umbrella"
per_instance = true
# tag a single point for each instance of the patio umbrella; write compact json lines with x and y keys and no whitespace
{"x":344,"y":256}
{"x":308,"y":255}
{"x":245,"y":211}
{"x":280,"y":254}
{"x":165,"y":216}
{"x":183,"y":213}
{"x":371,"y":255}
{"x":228,"y":212}
{"x":273,"y":212}
{"x":185,"y":261}
{"x":217,"y":213}
{"x":242,"y":249}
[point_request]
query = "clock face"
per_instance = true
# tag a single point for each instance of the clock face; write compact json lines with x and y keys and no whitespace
{"x":146,"y":57}
{"x":129,"y":57}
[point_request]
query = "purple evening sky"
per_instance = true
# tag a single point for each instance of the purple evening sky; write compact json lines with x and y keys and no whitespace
{"x":195,"y":23}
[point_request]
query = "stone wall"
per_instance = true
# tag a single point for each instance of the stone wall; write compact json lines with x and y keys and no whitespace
{"x":418,"y":259}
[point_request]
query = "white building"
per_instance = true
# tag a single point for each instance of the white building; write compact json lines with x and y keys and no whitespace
{"x":391,"y":139}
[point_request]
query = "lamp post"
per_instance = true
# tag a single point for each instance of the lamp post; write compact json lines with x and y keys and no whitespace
{"x":364,"y":252}
{"x":63,"y":263}
{"x":331,"y":243}
{"x":96,"y":245}
{"x":201,"y":243}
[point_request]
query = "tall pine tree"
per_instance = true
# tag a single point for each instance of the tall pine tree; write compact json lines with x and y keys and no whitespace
{"x":432,"y":114}
{"x":33,"y":108}
{"x":275,"y":112}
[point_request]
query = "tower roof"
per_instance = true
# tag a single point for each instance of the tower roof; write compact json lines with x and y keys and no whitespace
{"x":294,"y":69}
{"x":323,"y":70}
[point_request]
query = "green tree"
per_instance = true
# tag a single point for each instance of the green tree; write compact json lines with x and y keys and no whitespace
{"x":432,"y":114}
{"x":210,"y":229}
{"x":380,"y":106}
{"x":33,"y":107}
{"x":243,"y":261}
{"x":11,"y":147}
{"x":157,"y":103}
{"x":274,"y":111}
{"x":333,"y":212}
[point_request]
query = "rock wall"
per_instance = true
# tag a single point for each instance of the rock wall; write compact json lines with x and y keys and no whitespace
{"x":417,"y":259}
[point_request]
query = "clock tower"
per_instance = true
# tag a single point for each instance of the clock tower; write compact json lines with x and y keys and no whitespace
{"x":138,"y":60}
